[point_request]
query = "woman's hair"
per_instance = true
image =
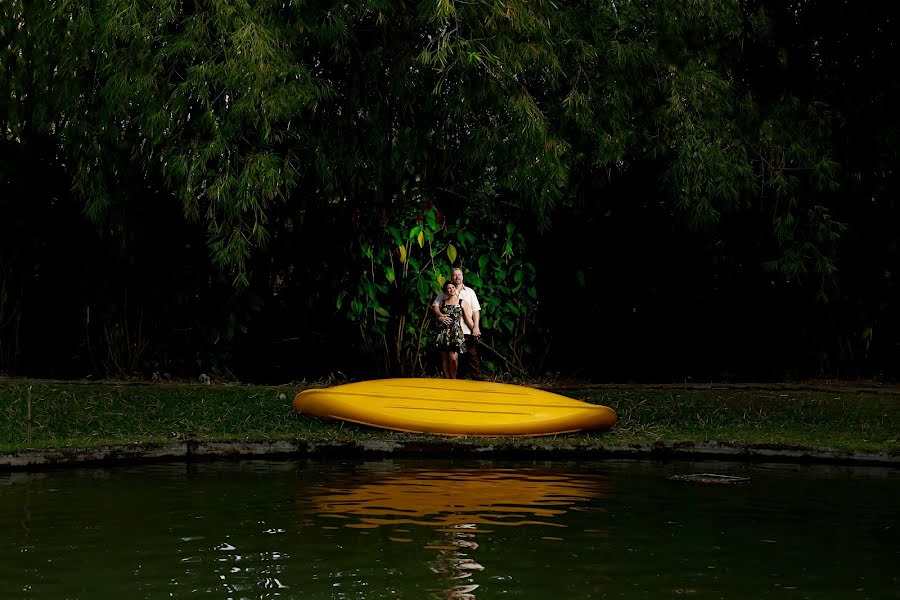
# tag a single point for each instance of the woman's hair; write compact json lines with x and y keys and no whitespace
{"x":446,"y":283}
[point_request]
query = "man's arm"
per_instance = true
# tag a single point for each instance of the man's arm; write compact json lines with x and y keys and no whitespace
{"x":476,"y":315}
{"x":436,"y":310}
{"x":467,"y":314}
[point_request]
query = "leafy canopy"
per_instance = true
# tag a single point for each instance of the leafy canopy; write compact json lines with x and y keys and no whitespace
{"x":238,"y":108}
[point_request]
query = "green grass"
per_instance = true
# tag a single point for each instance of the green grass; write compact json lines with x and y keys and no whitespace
{"x":855,"y":421}
{"x":67,"y":415}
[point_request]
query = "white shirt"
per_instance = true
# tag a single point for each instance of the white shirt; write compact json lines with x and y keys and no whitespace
{"x":467,"y":295}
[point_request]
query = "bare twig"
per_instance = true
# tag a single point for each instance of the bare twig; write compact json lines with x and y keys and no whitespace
{"x":520,"y":370}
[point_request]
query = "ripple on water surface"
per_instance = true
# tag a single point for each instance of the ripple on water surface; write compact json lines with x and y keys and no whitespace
{"x":419,"y":529}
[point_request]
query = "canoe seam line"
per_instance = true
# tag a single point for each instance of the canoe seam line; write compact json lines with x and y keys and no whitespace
{"x":583,"y":406}
{"x":485,"y":412}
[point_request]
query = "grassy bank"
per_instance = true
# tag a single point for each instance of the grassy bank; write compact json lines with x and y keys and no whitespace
{"x":66,"y":415}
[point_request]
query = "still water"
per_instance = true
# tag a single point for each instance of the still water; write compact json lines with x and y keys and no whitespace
{"x":442,"y":529}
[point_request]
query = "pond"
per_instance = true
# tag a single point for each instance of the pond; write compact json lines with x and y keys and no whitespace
{"x":450,"y":529}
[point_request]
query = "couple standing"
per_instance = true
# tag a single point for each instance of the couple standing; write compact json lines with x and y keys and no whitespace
{"x":458,"y":313}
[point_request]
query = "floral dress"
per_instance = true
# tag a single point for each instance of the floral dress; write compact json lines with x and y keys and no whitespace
{"x":450,"y":338}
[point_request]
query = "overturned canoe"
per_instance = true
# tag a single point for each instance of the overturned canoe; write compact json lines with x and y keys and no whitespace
{"x":454,"y":407}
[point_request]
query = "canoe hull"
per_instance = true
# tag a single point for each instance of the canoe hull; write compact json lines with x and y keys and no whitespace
{"x":454,"y":407}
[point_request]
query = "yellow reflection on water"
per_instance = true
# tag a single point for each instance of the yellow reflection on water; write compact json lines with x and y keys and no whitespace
{"x":454,"y":497}
{"x":458,"y":504}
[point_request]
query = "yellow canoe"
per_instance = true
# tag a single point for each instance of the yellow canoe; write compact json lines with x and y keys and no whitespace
{"x":454,"y":407}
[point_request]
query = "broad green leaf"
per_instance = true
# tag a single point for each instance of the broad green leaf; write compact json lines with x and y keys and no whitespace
{"x":420,"y":238}
{"x":424,"y":289}
{"x":389,"y":272}
{"x":402,"y":250}
{"x":451,"y":253}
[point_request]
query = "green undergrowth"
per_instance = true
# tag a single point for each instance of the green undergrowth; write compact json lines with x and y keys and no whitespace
{"x":78,"y":415}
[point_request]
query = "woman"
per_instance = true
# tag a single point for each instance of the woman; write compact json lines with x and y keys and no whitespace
{"x":450,"y":339}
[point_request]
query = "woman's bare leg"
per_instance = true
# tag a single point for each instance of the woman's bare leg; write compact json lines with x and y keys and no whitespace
{"x":445,"y":363}
{"x":454,"y":363}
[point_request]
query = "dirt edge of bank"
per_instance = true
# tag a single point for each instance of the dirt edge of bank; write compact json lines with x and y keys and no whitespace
{"x":191,"y":450}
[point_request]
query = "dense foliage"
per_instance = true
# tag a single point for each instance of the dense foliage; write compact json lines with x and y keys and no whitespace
{"x":685,"y":189}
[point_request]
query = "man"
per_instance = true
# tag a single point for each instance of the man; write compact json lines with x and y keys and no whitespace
{"x":467,"y":295}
